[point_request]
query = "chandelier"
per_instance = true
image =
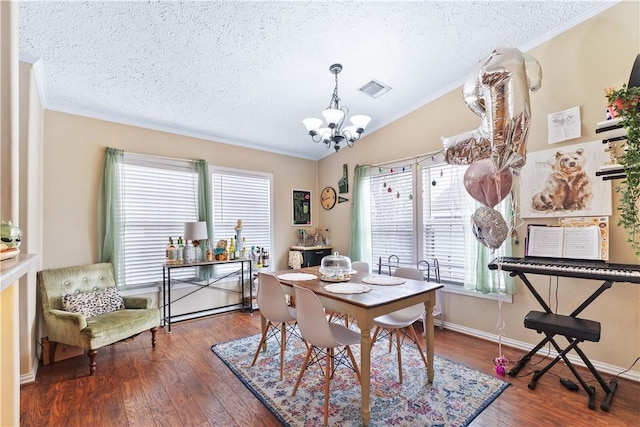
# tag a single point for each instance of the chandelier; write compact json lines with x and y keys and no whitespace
{"x":335,"y":115}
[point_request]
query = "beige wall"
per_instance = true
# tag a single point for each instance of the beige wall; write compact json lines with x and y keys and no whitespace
{"x":576,"y":65}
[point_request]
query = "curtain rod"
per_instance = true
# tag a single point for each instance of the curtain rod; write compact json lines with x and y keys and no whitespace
{"x":131,"y":153}
{"x":416,"y":157}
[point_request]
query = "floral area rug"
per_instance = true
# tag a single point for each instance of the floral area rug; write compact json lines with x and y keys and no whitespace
{"x":458,"y":394}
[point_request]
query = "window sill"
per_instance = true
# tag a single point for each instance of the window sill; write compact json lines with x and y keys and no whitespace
{"x":452,"y":289}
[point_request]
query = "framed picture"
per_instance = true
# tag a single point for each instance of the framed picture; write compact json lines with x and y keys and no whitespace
{"x":562,"y":182}
{"x":301,"y":202}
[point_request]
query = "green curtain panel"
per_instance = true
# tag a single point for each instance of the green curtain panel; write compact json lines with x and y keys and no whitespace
{"x":360,"y":245}
{"x":110,"y":213}
{"x":205,"y":213}
{"x":488,"y":281}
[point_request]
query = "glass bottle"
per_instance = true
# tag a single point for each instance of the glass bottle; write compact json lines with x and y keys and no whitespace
{"x":208,"y":252}
{"x":236,"y":254}
{"x":259,"y":261}
{"x":197,"y":251}
{"x":243,"y":252}
{"x":232,"y":250}
{"x":166,"y":251}
{"x":172,"y":253}
{"x":189,"y":253}
{"x":180,"y":253}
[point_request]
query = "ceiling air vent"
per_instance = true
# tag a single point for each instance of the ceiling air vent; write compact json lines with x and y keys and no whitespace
{"x":375,"y":89}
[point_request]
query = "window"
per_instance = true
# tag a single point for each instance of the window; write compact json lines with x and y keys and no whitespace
{"x":420,"y":213}
{"x":242,"y":195}
{"x":392,"y":217}
{"x":159,"y":195}
{"x":445,"y":213}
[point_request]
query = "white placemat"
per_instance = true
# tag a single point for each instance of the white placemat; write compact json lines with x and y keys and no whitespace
{"x":347,"y":288}
{"x":383,"y":280}
{"x":297,"y":277}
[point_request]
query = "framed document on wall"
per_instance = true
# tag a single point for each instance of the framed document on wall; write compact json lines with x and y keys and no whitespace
{"x":301,"y":201}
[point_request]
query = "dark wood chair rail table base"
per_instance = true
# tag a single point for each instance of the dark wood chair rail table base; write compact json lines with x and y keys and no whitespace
{"x":364,"y":308}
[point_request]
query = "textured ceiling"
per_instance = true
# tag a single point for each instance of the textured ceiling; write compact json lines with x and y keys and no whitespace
{"x":247,"y":73}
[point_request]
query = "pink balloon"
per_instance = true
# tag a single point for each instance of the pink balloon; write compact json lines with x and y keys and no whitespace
{"x":485,"y":184}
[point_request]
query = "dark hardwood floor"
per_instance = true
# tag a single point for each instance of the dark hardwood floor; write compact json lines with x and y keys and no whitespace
{"x":182,"y":383}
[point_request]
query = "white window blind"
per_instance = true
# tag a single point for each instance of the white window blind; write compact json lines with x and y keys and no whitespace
{"x":243,"y":195}
{"x":444,"y":214}
{"x":159,"y":196}
{"x":392,"y":216}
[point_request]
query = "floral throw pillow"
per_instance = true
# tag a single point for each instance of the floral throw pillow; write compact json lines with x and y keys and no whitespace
{"x":91,"y":304}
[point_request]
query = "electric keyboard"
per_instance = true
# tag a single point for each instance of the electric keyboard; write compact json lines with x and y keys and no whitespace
{"x":583,"y":269}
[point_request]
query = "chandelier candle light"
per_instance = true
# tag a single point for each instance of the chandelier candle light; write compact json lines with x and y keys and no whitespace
{"x":334,"y":116}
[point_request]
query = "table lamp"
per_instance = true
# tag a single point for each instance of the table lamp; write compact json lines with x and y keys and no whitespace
{"x":196,"y":231}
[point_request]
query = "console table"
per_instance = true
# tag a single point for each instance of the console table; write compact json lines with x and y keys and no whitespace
{"x":243,"y":269}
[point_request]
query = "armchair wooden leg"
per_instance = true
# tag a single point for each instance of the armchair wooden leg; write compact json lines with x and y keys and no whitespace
{"x":52,"y":351}
{"x":153,"y":336}
{"x":92,"y":361}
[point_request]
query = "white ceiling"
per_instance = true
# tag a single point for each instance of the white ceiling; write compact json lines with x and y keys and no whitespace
{"x":247,"y":73}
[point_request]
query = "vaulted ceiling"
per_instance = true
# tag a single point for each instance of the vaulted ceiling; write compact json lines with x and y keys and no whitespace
{"x":247,"y":73}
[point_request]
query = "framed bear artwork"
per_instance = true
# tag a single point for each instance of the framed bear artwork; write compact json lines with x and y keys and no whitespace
{"x":562,"y":182}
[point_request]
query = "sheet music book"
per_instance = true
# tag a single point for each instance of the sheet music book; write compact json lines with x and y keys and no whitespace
{"x":563,"y":242}
{"x":601,"y":221}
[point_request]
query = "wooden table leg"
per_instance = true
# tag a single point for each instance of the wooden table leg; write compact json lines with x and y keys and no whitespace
{"x":428,"y":305}
{"x":365,"y":367}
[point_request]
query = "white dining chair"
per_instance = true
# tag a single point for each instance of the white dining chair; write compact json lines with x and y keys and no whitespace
{"x":280,"y":317}
{"x":401,"y":321}
{"x":361,"y":267}
{"x":323,"y":338}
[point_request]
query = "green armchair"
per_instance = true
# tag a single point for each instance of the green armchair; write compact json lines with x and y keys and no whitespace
{"x":95,"y":314}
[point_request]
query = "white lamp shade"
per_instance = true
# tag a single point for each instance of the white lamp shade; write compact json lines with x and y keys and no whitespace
{"x":360,"y":121}
{"x":333,"y":116}
{"x":312,"y":124}
{"x":350,"y":132}
{"x":195,"y":230}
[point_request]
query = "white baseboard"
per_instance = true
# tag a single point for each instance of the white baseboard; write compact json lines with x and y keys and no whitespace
{"x":30,"y":377}
{"x":600,"y":366}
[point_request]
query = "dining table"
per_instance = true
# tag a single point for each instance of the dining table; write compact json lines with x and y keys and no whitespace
{"x":376,"y":300}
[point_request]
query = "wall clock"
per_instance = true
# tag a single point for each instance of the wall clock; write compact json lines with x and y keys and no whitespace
{"x":328,"y":198}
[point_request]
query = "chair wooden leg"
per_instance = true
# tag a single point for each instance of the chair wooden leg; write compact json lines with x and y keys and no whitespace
{"x":302,"y":369}
{"x":283,"y":342}
{"x":262,"y":340}
{"x":414,"y":336}
{"x":92,"y":361}
{"x":153,"y":336}
{"x":327,"y":378}
{"x":375,"y":335}
{"x":399,"y":348}
{"x":353,"y":361}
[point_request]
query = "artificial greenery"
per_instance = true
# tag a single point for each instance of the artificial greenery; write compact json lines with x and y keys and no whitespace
{"x":626,"y":103}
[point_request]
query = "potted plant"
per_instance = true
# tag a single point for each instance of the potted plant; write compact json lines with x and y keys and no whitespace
{"x":626,"y":104}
